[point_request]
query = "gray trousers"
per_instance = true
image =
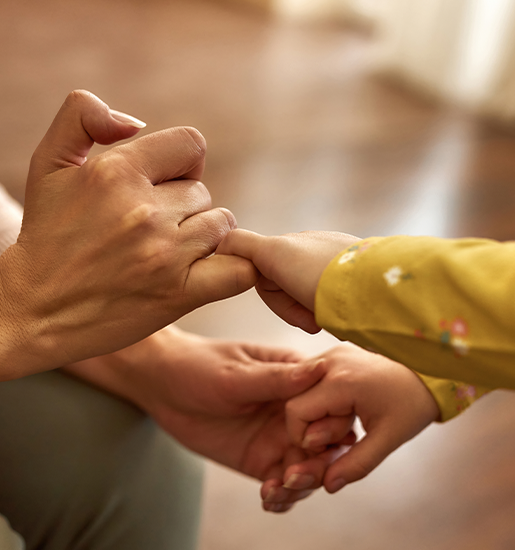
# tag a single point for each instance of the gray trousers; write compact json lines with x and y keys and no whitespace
{"x":83,"y":470}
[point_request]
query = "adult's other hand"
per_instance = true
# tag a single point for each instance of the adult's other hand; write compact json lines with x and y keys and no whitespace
{"x":112,"y":248}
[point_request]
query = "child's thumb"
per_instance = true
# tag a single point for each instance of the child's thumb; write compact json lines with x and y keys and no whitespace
{"x":360,"y":460}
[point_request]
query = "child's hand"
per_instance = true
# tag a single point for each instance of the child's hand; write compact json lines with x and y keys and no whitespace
{"x":391,"y":401}
{"x":290,"y":266}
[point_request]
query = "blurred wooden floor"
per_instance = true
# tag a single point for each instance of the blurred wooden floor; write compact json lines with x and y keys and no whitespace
{"x":301,"y":136}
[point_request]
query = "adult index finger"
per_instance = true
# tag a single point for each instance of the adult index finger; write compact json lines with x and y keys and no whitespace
{"x":174,"y":153}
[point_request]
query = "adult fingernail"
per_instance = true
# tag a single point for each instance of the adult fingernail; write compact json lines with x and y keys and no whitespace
{"x":316,"y":440}
{"x":336,"y":485}
{"x":299,"y":481}
{"x":127,"y":119}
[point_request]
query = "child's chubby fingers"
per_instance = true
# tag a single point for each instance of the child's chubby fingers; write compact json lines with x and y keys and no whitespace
{"x":286,"y":307}
{"x":311,"y":406}
{"x":277,"y":498}
{"x":310,"y":473}
{"x":331,"y":430}
{"x":299,"y":481}
{"x":241,"y":242}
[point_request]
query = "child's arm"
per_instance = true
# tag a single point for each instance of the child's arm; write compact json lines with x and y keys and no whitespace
{"x":442,"y":307}
{"x":290,"y":266}
{"x":393,"y":403}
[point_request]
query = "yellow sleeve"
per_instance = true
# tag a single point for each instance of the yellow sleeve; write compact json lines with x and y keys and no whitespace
{"x":445,"y":308}
{"x":451,"y":396}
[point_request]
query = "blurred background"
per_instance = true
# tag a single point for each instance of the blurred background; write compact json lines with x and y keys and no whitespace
{"x":372,"y":117}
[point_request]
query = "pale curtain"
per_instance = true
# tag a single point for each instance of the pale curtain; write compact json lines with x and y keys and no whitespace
{"x":500,"y":101}
{"x":350,"y":10}
{"x":458,"y":50}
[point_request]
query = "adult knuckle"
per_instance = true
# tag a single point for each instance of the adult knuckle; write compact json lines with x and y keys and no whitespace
{"x":227,"y":377}
{"x":141,"y":216}
{"x":194,"y":139}
{"x":107,"y":170}
{"x":213,"y":227}
{"x":77,"y":98}
{"x":201,"y":195}
{"x":191,"y":144}
{"x":154,"y":254}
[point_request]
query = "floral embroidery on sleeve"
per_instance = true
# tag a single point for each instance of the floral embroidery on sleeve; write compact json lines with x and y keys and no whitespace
{"x":353,"y":251}
{"x":465,"y":395}
{"x":347,"y":257}
{"x":395,"y":275}
{"x":454,"y":334}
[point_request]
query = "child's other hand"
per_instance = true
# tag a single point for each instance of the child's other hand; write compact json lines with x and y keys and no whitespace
{"x":290,"y":267}
{"x":392,"y":402}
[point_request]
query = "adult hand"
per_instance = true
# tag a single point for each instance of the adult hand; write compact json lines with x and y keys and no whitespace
{"x":112,"y":248}
{"x":224,"y":400}
{"x":290,"y":266}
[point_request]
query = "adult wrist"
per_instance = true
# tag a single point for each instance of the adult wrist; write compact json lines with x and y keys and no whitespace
{"x":22,"y":348}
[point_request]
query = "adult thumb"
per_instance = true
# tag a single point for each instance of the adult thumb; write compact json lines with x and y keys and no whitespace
{"x":83,"y":119}
{"x":218,"y":277}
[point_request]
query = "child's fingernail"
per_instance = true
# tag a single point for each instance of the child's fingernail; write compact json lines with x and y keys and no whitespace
{"x":336,"y":485}
{"x":316,"y":440}
{"x":299,"y":481}
{"x":127,"y":119}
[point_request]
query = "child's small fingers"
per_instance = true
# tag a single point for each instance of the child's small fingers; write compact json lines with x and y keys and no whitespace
{"x":295,"y":425}
{"x":310,"y":473}
{"x":327,"y":431}
{"x":303,"y":410}
{"x":280,"y":495}
{"x":286,"y":307}
{"x":294,"y":455}
{"x":241,"y":242}
{"x":277,"y":508}
{"x":273,"y":492}
{"x":350,"y":439}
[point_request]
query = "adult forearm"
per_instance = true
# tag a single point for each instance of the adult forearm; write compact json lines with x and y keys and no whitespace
{"x":128,"y":373}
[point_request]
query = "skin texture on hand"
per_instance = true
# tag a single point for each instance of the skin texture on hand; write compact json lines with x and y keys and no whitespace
{"x":112,"y":248}
{"x":224,"y":400}
{"x":391,"y":401}
{"x":291,"y":266}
